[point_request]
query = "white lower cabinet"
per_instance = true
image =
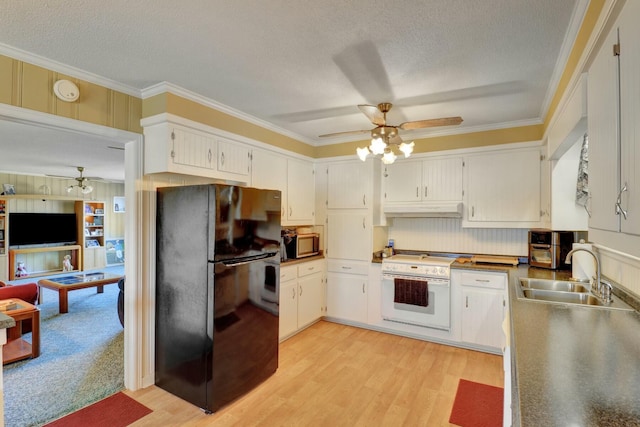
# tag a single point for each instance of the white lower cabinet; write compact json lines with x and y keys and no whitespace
{"x":483,"y":307}
{"x":347,"y":296}
{"x":301,"y":291}
{"x":93,"y":258}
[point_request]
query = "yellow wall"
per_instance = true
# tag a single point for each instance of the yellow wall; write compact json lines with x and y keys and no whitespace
{"x":29,"y":86}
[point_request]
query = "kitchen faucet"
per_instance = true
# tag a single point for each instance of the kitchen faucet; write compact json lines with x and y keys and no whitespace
{"x":597,"y":283}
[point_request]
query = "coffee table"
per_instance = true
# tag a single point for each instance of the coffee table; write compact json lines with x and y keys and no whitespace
{"x":63,"y":285}
{"x":17,"y":348}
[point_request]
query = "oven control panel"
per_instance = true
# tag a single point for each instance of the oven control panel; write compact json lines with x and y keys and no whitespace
{"x":416,"y":269}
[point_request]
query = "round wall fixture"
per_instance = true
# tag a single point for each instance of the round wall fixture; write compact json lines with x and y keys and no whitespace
{"x":66,"y":90}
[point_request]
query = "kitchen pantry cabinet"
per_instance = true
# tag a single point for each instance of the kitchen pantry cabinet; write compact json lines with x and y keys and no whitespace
{"x":423,"y":181}
{"x":503,"y":189}
{"x":301,"y":291}
{"x":186,"y":147}
{"x":483,"y":307}
{"x":614,"y":127}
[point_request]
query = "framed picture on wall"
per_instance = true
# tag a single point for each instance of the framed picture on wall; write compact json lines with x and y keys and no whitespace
{"x":114,"y":249}
{"x":118,"y":204}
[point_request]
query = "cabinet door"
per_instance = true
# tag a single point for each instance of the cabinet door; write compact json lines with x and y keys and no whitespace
{"x":347,"y":297}
{"x":603,"y":122}
{"x":233,"y":157}
{"x":442,"y":179}
{"x":269,"y":171}
{"x":93,"y":258}
{"x":349,"y":236}
{"x":193,"y":149}
{"x":309,"y":299}
{"x":482,"y":315}
{"x":350,"y":185}
{"x":403,"y":182}
{"x":504,"y":187}
{"x":301,"y":193}
{"x":630,"y":116}
{"x":288,"y":308}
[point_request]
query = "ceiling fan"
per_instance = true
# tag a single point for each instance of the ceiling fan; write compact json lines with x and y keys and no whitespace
{"x":82,"y":181}
{"x":384,"y":136}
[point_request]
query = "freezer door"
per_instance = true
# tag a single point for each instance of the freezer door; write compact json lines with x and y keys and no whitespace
{"x":245,"y":329}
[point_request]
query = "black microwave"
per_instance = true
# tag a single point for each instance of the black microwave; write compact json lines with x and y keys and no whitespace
{"x":303,"y":245}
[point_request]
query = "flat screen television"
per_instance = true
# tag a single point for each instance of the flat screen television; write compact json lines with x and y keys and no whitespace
{"x":42,"y":228}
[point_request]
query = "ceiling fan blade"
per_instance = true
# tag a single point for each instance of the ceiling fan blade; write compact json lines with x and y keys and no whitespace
{"x":373,"y":113}
{"x":421,"y":124}
{"x":349,"y":132}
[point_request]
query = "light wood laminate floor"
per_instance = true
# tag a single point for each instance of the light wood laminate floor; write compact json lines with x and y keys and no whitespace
{"x":336,"y":375}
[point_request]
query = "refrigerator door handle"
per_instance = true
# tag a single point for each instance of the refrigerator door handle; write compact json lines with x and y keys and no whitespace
{"x":241,"y":261}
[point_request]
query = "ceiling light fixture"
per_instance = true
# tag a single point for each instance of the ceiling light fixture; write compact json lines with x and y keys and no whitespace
{"x":382,"y":143}
{"x":82,"y":183}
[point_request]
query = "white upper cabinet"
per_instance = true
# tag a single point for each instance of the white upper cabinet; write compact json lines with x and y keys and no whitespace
{"x":185,"y":147}
{"x":300,"y":191}
{"x":350,"y":235}
{"x":349,"y":185}
{"x":269,"y":171}
{"x":614,"y":127}
{"x":503,"y":189}
{"x":233,"y":157}
{"x":432,"y":180}
{"x":630,"y":118}
{"x":603,"y":122}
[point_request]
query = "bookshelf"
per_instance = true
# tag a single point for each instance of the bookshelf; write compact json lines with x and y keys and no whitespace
{"x":91,"y":233}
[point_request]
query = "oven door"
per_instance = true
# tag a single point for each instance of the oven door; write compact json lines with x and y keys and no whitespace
{"x":435,"y":315}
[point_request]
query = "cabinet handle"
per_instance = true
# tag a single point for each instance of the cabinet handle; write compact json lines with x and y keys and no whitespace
{"x":293,"y":293}
{"x":300,"y":290}
{"x":473,"y":211}
{"x":364,"y":199}
{"x":363,"y":288}
{"x":222,"y":158}
{"x":346,"y":268}
{"x":282,"y":214}
{"x":290,"y":211}
{"x":209,"y":155}
{"x":417,"y":189}
{"x":619,"y":209}
{"x":363,"y":225}
{"x":466,"y":302}
{"x":310,"y":268}
{"x":426,"y":191}
{"x":483,"y":280}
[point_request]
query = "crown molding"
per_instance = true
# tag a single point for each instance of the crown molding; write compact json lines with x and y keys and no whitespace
{"x":166,"y":87}
{"x":59,"y":67}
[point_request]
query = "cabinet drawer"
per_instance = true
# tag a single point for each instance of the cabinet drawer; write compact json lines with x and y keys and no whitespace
{"x":350,"y":267}
{"x":483,"y":280}
{"x":288,"y":273}
{"x":310,"y":267}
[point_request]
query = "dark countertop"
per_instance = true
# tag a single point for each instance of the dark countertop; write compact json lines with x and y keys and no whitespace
{"x":571,"y":364}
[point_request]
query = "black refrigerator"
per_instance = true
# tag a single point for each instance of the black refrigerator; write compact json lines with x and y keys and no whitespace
{"x":217,"y":291}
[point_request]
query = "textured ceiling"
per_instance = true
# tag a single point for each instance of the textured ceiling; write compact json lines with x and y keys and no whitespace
{"x":303,"y":66}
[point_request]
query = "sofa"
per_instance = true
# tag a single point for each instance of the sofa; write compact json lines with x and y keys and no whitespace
{"x":27,"y":292}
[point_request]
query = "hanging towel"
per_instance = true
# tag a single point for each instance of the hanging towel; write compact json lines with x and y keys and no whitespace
{"x":582,"y":187}
{"x":413,"y":292}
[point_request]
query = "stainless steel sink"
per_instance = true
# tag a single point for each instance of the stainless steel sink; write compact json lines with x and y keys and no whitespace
{"x":553,"y":285}
{"x":566,"y":297}
{"x":564,"y":292}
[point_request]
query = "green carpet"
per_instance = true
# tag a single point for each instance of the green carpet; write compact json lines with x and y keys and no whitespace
{"x":81,"y":359}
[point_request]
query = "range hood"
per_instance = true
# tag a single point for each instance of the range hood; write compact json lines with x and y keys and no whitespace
{"x":424,"y":210}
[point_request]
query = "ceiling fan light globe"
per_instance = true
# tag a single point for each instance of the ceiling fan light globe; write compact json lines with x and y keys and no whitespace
{"x":69,"y":189}
{"x":87,"y":189}
{"x":363,"y":153}
{"x":377,"y":146}
{"x":389,"y":157}
{"x":407,"y":149}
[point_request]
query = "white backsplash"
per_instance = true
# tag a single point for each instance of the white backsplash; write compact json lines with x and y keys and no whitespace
{"x":447,"y":235}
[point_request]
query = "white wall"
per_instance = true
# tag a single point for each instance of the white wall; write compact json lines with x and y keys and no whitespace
{"x":447,"y":235}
